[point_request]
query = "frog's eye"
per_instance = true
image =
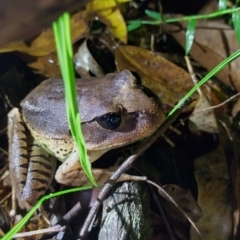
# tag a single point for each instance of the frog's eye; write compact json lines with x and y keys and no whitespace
{"x":109,"y":121}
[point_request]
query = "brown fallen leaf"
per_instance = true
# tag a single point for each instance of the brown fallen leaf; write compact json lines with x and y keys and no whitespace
{"x":209,"y":7}
{"x":235,"y":175}
{"x":213,"y":42}
{"x":44,"y":44}
{"x":47,"y":65}
{"x":21,"y":20}
{"x":185,"y":201}
{"x":236,"y":108}
{"x":211,"y":173}
{"x":157,"y":73}
{"x":203,"y":121}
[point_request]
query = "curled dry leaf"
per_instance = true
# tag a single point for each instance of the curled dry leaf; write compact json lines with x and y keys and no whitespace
{"x":157,"y":73}
{"x":85,"y":63}
{"x":109,"y":13}
{"x":44,"y":44}
{"x":213,"y":182}
{"x":213,"y":42}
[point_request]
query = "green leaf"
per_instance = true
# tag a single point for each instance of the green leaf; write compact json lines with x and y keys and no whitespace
{"x":153,"y":14}
{"x":236,"y":25}
{"x":133,"y":25}
{"x":190,"y":35}
{"x":222,"y":4}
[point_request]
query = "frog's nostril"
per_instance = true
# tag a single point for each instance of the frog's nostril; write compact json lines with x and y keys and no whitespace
{"x":142,"y":113}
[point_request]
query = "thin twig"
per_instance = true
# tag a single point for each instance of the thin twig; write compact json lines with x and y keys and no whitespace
{"x":192,"y":73}
{"x":5,"y":198}
{"x":217,"y":106}
{"x":56,"y":228}
{"x":4,"y":151}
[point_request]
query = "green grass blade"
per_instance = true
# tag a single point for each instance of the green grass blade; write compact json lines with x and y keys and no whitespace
{"x":190,"y":35}
{"x":65,"y":56}
{"x":153,"y":14}
{"x":133,"y":25}
{"x":207,"y":77}
{"x":236,"y":25}
{"x":26,"y":218}
{"x":215,"y":14}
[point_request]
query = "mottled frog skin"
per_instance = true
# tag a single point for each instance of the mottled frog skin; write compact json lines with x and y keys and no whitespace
{"x":115,"y":111}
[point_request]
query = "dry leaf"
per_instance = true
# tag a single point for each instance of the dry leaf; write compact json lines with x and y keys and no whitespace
{"x":213,"y":42}
{"x":210,"y":7}
{"x":203,"y":121}
{"x":211,"y":173}
{"x":235,"y":175}
{"x":85,"y":62}
{"x":185,"y":200}
{"x":47,"y":65}
{"x":157,"y":73}
{"x":109,"y":13}
{"x":236,"y":108}
{"x":44,"y":44}
{"x":21,"y":20}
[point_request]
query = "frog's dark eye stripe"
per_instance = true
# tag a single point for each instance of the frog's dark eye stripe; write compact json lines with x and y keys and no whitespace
{"x":109,"y":121}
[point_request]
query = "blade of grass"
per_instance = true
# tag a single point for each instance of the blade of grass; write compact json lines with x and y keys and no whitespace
{"x":153,"y":14}
{"x":185,"y":18}
{"x":133,"y":26}
{"x":26,"y":218}
{"x":207,"y":77}
{"x":236,"y":25}
{"x":190,"y":35}
{"x":65,"y":55}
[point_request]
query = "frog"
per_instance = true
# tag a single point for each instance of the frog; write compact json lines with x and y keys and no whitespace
{"x":115,"y":111}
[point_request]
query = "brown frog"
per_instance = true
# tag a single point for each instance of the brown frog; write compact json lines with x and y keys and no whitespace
{"x":115,"y":111}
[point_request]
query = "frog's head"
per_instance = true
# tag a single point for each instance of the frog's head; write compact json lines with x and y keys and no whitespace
{"x":115,"y":111}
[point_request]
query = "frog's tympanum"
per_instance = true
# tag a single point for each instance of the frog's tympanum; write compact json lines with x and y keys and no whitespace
{"x":115,"y":111}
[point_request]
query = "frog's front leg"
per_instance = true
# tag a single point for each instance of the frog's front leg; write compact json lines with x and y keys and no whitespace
{"x":31,"y":167}
{"x":70,"y":172}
